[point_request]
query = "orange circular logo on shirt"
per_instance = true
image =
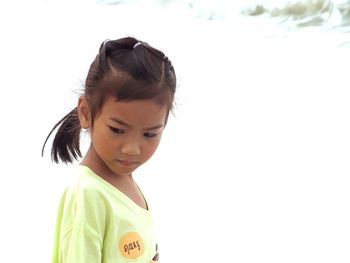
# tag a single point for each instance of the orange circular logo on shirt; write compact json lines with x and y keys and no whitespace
{"x":131,"y":245}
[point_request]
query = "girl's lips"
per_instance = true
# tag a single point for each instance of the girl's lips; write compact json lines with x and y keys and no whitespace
{"x":127,"y":163}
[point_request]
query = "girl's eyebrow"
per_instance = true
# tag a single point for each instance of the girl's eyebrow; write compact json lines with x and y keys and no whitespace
{"x":129,"y":126}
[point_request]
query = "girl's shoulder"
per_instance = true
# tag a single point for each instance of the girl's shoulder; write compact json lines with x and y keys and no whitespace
{"x":84,"y":185}
{"x":89,"y":180}
{"x":87,"y":184}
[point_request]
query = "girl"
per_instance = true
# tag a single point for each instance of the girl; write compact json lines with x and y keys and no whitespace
{"x":128,"y":94}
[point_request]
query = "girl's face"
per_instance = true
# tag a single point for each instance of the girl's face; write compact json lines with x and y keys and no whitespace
{"x":126,"y":134}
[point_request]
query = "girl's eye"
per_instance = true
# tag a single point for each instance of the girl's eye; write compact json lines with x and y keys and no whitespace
{"x":150,"y":135}
{"x":116,"y":130}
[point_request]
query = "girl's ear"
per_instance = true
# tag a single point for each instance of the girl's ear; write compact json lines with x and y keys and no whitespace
{"x":83,"y":112}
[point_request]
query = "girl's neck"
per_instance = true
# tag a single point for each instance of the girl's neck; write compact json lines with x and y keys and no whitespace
{"x":124,"y":183}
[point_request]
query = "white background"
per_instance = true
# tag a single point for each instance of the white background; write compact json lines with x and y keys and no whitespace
{"x":253,"y":167}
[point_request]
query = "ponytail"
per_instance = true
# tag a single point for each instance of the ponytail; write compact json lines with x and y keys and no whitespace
{"x":65,"y":146}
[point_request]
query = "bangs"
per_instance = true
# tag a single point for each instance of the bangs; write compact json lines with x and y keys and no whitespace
{"x":125,"y":88}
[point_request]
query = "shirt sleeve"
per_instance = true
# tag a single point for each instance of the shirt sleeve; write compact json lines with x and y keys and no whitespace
{"x":83,"y":226}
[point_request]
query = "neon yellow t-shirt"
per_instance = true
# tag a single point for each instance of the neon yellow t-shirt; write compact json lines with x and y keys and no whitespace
{"x":97,"y":223}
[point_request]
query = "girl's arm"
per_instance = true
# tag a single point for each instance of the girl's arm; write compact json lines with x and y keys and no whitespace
{"x":80,"y":228}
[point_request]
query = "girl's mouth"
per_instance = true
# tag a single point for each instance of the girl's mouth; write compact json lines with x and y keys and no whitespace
{"x":127,"y":163}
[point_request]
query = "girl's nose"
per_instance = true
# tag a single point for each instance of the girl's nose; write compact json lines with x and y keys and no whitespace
{"x":131,"y":147}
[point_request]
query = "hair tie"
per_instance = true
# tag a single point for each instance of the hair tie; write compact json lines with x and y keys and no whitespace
{"x":105,"y":42}
{"x":166,"y":59}
{"x":137,"y":44}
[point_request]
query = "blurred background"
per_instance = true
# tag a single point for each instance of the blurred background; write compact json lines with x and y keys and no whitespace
{"x":254,"y":163}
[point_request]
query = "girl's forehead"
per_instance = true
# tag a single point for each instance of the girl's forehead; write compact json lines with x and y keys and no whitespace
{"x":138,"y":111}
{"x":142,"y":104}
